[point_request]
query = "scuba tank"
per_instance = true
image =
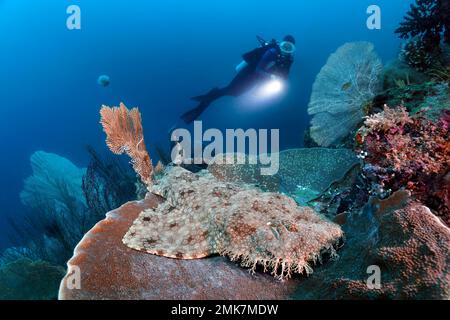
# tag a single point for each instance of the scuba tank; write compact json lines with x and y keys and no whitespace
{"x":253,"y":57}
{"x":282,"y":65}
{"x":241,"y":66}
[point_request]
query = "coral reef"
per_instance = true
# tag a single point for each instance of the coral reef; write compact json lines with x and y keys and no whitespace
{"x":427,"y":25}
{"x":398,"y":74}
{"x":435,"y":103}
{"x":422,"y":273}
{"x":407,"y":152}
{"x":420,"y":54}
{"x":345,"y":195}
{"x":403,"y":238}
{"x":429,"y":98}
{"x":63,"y":203}
{"x":428,"y":17}
{"x":350,"y":79}
{"x":202,"y":216}
{"x":190,"y":215}
{"x":135,"y":275}
{"x":25,"y":279}
{"x":124,"y":132}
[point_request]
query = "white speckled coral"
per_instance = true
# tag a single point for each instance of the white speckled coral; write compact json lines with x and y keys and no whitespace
{"x":202,"y":216}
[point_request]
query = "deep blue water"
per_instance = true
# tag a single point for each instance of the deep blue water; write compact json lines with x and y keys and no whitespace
{"x":158,"y":54}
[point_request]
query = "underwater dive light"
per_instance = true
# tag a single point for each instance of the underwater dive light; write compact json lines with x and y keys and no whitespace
{"x":271,"y":88}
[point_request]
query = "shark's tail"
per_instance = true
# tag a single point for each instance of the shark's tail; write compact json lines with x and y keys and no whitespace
{"x":204,"y":102}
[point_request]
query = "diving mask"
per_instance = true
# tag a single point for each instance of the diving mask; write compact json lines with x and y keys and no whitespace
{"x":287,"y":47}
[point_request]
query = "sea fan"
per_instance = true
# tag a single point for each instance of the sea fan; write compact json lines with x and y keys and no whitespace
{"x":349,"y":80}
{"x":124,"y":132}
{"x":55,"y":181}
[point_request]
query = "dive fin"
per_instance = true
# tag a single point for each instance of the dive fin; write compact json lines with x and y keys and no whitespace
{"x":200,"y":98}
{"x":207,"y":96}
{"x":205,"y":101}
{"x":194,"y":114}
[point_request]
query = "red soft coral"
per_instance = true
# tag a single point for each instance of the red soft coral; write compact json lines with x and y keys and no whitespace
{"x":408,"y":152}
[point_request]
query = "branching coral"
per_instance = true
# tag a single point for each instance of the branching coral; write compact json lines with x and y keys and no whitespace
{"x":124,"y":132}
{"x":425,"y":24}
{"x":107,"y":184}
{"x":406,"y":152}
{"x":419,"y":54}
{"x":427,"y":17}
{"x":350,"y":80}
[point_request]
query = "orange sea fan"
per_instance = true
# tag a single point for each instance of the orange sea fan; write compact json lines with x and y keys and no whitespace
{"x":125,"y":134}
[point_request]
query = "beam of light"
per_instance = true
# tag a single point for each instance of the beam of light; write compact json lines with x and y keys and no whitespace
{"x":263,"y":95}
{"x":270,"y":89}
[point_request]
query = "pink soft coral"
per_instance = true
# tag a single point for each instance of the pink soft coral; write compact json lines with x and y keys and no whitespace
{"x":408,"y":152}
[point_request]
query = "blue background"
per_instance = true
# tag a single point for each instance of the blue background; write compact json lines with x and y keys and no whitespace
{"x":158,"y":54}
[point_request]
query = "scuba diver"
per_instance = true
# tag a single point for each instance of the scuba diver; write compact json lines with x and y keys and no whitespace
{"x":272,"y":60}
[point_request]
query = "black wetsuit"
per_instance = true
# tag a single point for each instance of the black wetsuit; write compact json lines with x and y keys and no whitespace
{"x":269,"y":62}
